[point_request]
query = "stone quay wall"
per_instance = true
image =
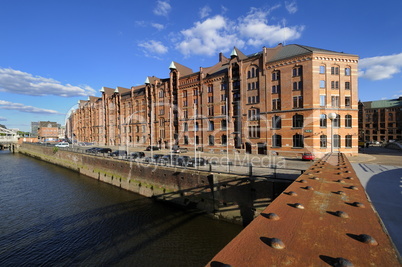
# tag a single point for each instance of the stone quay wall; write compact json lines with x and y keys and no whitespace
{"x":232,"y":198}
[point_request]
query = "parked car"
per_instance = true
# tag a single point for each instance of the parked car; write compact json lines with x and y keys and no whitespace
{"x":170,"y":159}
{"x":199,"y":161}
{"x":137,"y":155}
{"x":184,"y":161}
{"x":154,"y":159}
{"x":308,"y":156}
{"x":62,"y":144}
{"x":152,"y":148}
{"x":92,"y":150}
{"x":118,"y":153}
{"x":179,"y":150}
{"x":98,"y":150}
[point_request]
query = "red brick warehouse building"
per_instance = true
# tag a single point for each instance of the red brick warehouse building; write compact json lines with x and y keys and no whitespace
{"x":277,"y":100}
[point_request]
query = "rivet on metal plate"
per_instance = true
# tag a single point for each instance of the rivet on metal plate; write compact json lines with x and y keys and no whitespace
{"x":272,"y":216}
{"x":299,"y":206}
{"x":341,"y":214}
{"x":367,"y":239}
{"x":277,"y":243}
{"x":358,"y":204}
{"x":342,"y":262}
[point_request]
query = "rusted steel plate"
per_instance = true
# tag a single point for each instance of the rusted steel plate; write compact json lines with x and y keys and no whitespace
{"x":322,"y":219}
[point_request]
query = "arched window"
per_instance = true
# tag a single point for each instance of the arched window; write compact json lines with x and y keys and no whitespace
{"x":276,"y":140}
{"x":323,"y":141}
{"x":322,"y":69}
{"x":223,"y":124}
{"x":337,"y":141}
{"x":297,"y":71}
{"x":348,"y":121}
{"x":348,"y":141}
{"x":186,"y":140}
{"x":276,"y":122}
{"x":335,"y":70}
{"x":224,"y":139}
{"x":211,"y":126}
{"x":337,"y":121}
{"x":298,"y":141}
{"x":211,"y":140}
{"x":323,"y":120}
{"x":276,"y":75}
{"x":298,"y":121}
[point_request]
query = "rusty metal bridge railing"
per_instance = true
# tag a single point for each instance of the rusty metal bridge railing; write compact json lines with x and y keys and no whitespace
{"x":324,"y":218}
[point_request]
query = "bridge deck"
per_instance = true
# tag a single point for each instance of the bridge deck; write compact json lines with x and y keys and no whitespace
{"x":323,"y":218}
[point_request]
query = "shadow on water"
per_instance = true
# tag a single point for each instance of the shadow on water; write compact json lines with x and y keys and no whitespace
{"x":72,"y":239}
{"x":240,"y":196}
{"x":116,"y":227}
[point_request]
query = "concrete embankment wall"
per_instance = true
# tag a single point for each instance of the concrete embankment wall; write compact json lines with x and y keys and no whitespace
{"x":228,"y":197}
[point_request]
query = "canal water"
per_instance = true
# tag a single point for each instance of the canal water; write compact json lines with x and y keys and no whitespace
{"x":52,"y":216}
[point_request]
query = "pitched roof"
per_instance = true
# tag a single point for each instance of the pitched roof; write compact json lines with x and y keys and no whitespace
{"x":237,"y":53}
{"x":181,"y":68}
{"x":107,"y":90}
{"x":293,"y":50}
{"x":121,"y":90}
{"x":93,"y":99}
{"x":391,"y":103}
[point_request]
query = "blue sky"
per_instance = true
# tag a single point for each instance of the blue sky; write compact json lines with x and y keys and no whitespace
{"x":54,"y":53}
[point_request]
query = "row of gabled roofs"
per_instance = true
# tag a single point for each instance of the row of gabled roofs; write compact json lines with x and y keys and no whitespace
{"x":277,"y":53}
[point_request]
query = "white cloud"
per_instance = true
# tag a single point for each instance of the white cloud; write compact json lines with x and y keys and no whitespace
{"x":204,"y":12}
{"x":2,"y":119}
{"x":219,"y":34}
{"x":158,"y":26}
{"x":255,"y":29}
{"x":153,"y":47}
{"x":381,"y":67}
{"x":162,"y":8}
{"x":18,"y":82}
{"x":28,"y":109}
{"x":209,"y":36}
{"x":291,"y":7}
{"x":397,"y":95}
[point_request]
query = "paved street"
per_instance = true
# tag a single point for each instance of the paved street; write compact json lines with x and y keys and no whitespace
{"x":380,"y":172}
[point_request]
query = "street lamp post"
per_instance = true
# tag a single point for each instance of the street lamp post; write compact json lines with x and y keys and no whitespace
{"x":332,"y":116}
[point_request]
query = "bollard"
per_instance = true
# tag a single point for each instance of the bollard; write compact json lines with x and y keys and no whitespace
{"x":210,"y":167}
{"x":250,"y":169}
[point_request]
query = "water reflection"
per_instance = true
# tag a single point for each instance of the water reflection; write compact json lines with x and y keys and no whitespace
{"x":69,"y":219}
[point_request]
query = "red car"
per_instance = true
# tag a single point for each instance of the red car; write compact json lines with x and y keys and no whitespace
{"x":308,"y":156}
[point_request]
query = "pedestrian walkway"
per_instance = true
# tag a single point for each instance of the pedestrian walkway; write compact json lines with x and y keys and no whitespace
{"x":383,"y":185}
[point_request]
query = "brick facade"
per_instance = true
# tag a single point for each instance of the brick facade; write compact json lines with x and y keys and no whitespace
{"x":275,"y":100}
{"x":380,"y":121}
